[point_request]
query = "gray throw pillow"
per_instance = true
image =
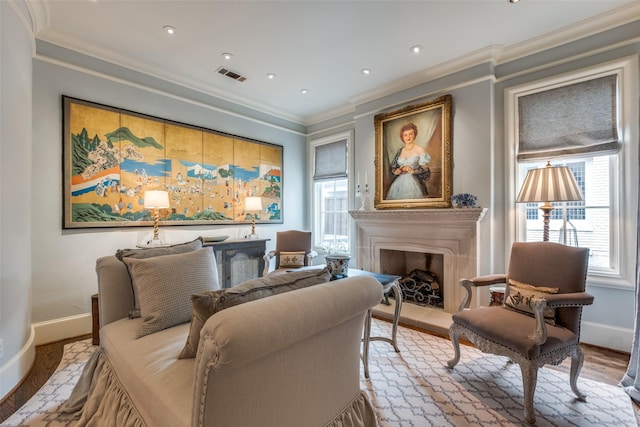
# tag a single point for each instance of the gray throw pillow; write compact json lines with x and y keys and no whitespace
{"x":206,"y":304}
{"x":143,"y":253}
{"x":165,"y":284}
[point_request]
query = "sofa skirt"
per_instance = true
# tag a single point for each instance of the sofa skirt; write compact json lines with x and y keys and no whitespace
{"x":99,"y":400}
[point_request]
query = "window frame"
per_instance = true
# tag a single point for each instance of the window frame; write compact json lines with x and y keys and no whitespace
{"x":623,"y":185}
{"x":314,"y":218}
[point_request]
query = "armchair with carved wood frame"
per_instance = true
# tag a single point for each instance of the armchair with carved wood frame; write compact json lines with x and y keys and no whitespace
{"x":290,"y":242}
{"x":526,"y":339}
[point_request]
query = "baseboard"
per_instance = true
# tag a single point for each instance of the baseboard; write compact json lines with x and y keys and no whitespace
{"x":60,"y":329}
{"x":12,"y":373}
{"x":607,"y":336}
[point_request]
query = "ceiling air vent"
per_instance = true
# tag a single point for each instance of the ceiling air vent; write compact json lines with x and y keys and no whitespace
{"x":231,"y":74}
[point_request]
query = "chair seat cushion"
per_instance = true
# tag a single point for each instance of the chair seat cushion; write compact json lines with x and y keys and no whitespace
{"x":511,"y":329}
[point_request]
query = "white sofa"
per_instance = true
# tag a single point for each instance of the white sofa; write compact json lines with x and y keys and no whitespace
{"x":291,"y":359}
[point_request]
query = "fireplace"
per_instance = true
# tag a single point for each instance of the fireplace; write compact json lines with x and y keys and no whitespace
{"x":421,"y":275}
{"x":444,"y":241}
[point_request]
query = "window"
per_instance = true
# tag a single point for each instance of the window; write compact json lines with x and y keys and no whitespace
{"x":330,"y":208}
{"x":581,"y":120}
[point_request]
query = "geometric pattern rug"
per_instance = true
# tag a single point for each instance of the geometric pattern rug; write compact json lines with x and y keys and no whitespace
{"x":413,"y":388}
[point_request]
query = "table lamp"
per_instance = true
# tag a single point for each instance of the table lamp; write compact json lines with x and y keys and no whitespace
{"x":549,"y":184}
{"x":253,"y":204}
{"x":156,"y":199}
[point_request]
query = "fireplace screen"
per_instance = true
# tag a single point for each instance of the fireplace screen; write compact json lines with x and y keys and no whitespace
{"x":422,"y":287}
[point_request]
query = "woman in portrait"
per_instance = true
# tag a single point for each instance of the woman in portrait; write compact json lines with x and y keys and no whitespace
{"x":410,"y":166}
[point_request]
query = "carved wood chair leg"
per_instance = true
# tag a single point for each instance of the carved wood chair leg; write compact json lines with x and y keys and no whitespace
{"x":454,"y":334}
{"x":529,"y":380}
{"x":577,"y":359}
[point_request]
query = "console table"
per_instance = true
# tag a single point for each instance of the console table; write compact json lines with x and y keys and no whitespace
{"x":239,"y":260}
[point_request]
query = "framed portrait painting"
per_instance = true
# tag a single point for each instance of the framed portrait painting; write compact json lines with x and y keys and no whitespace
{"x":112,"y":157}
{"x":413,"y":156}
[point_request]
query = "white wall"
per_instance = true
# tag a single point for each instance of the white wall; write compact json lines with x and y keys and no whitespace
{"x":16,"y":351}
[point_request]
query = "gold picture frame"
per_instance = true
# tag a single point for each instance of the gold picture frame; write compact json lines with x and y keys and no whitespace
{"x":413,"y":156}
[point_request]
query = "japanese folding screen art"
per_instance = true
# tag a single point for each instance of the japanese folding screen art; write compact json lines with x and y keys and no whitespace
{"x":112,"y":156}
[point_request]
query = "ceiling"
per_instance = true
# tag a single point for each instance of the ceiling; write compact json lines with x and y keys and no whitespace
{"x":320,"y":46}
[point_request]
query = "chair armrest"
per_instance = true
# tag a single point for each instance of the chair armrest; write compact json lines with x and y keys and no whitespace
{"x":267,"y":262}
{"x":575,"y":299}
{"x":539,"y":334}
{"x":491,"y":279}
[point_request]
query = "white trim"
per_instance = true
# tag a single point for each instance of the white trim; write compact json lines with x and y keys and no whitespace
{"x":606,"y":336}
{"x":63,"y":328}
{"x":349,"y":136}
{"x":13,"y":372}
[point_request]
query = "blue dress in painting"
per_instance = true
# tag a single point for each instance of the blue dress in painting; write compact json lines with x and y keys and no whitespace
{"x":407,"y":185}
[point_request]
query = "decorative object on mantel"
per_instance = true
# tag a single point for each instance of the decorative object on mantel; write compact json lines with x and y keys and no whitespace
{"x":464,"y":200}
{"x":363,"y":197}
{"x":413,"y":157}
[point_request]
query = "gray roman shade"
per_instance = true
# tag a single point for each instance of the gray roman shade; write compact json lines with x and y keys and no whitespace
{"x":331,"y":160}
{"x":577,"y":119}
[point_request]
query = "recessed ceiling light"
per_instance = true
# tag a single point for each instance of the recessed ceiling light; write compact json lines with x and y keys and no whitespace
{"x":169,"y":29}
{"x":227,"y":55}
{"x":514,"y":1}
{"x":365,"y":71}
{"x":304,"y":91}
{"x":416,"y":48}
{"x":271,"y":76}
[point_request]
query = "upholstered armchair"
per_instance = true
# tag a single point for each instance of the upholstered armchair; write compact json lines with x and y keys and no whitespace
{"x":539,"y":320}
{"x":293,"y":250}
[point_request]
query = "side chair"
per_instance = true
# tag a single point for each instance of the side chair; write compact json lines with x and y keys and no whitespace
{"x":293,"y":250}
{"x":539,"y":320}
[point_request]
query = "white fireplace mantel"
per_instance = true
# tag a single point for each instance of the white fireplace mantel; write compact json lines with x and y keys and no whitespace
{"x":450,"y":232}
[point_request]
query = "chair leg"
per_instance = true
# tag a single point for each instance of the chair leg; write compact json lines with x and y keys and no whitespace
{"x":577,"y":358}
{"x":529,"y":380}
{"x":454,"y":334}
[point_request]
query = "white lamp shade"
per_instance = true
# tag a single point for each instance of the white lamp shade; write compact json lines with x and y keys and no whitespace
{"x":156,"y":199}
{"x":549,"y":184}
{"x":252,"y":204}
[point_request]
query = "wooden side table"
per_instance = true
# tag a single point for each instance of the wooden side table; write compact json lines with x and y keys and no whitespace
{"x":95,"y":318}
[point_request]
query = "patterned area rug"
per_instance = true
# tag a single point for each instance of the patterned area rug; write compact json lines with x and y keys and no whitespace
{"x":411,"y":388}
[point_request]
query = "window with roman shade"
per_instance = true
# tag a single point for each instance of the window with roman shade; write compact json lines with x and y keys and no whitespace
{"x":575,"y":119}
{"x":331,"y":160}
{"x":330,"y":206}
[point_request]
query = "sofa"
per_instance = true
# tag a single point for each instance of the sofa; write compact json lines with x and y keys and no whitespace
{"x":268,"y":352}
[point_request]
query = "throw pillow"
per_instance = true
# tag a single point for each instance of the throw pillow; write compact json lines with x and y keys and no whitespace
{"x":165,"y":283}
{"x":291,"y":259}
{"x":520,"y":295}
{"x":205,"y":304}
{"x":153,"y":252}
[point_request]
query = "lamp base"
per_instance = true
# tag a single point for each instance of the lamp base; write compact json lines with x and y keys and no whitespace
{"x":153,"y":243}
